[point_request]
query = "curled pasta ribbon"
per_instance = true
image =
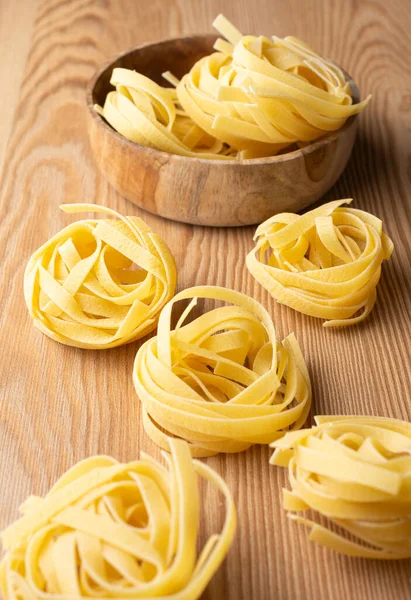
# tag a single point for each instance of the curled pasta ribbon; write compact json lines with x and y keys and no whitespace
{"x":260,"y":96}
{"x":99,"y":283}
{"x":325,"y":263}
{"x":222,"y":382}
{"x":150,"y":115}
{"x":111,"y":530}
{"x":355,"y":471}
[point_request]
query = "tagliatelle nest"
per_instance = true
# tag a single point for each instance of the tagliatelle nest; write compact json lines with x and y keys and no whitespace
{"x":222,"y":382}
{"x":99,"y":283}
{"x":325,"y":263}
{"x":260,"y":96}
{"x":356,"y":471}
{"x":111,"y":530}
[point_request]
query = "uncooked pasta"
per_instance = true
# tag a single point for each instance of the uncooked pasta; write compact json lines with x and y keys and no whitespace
{"x":325,"y":263}
{"x":253,"y":97}
{"x":99,"y":283}
{"x":356,"y":472}
{"x":223,"y":381}
{"x":112,"y":530}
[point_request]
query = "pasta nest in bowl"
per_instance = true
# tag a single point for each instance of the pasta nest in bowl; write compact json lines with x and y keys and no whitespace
{"x":222,"y":382}
{"x":254,"y":97}
{"x":261,"y":96}
{"x":112,"y":530}
{"x":325,"y":263}
{"x":99,"y":283}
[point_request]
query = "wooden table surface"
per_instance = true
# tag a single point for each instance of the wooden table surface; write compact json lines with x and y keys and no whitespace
{"x":60,"y":404}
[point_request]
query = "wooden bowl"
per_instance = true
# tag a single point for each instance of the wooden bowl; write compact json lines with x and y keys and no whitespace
{"x":200,"y":191}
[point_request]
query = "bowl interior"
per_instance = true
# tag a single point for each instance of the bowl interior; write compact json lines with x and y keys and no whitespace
{"x":178,"y":55}
{"x":175,"y":55}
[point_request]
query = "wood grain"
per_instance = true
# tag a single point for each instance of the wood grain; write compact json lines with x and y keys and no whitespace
{"x":190,"y":190}
{"x":59,"y":404}
{"x":16,"y":23}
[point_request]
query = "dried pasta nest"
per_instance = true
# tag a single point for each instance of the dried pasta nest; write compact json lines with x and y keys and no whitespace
{"x":111,"y":530}
{"x":356,"y":472}
{"x":261,"y":96}
{"x":325,"y":263}
{"x":222,"y":382}
{"x":99,"y":283}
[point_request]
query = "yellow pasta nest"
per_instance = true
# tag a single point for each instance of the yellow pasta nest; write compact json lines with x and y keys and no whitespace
{"x":254,"y":97}
{"x":325,"y":263}
{"x":221,"y":382}
{"x":260,"y":95}
{"x":355,"y":471}
{"x":111,"y":530}
{"x":150,"y":115}
{"x":99,"y":283}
